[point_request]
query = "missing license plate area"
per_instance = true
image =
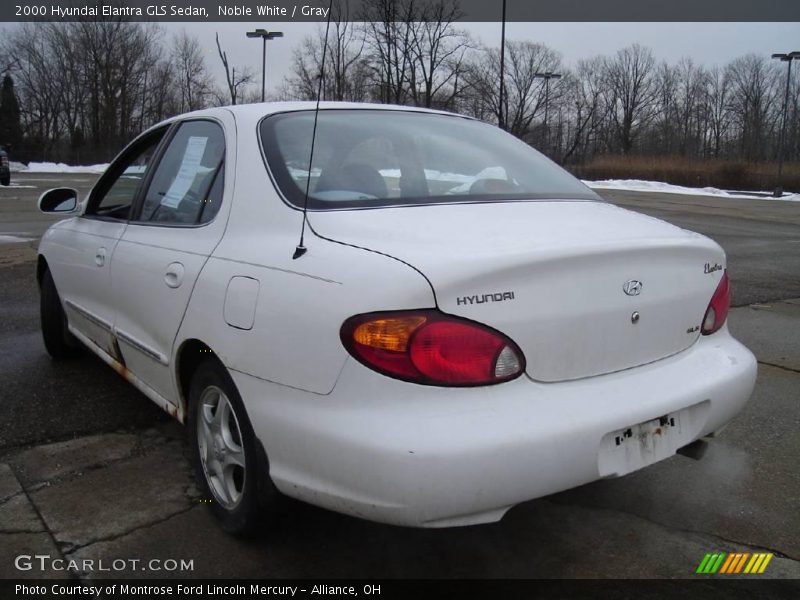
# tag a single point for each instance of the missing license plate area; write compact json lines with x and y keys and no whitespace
{"x":663,"y":422}
{"x":631,"y":448}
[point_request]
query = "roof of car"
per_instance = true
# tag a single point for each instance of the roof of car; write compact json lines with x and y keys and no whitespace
{"x":264,"y":108}
{"x":256,"y":111}
{"x":261,"y":109}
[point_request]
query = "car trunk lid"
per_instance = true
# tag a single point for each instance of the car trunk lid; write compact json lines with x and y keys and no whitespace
{"x":584,"y":288}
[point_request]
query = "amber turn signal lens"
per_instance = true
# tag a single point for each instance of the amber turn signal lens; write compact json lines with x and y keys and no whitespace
{"x":432,"y":348}
{"x":387,"y":334}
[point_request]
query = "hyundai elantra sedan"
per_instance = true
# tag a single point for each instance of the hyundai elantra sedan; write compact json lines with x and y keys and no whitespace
{"x":463,"y":327}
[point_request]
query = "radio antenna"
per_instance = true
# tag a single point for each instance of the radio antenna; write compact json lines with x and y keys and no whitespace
{"x":301,"y":249}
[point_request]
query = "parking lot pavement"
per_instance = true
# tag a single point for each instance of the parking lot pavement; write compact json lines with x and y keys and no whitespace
{"x":90,"y":469}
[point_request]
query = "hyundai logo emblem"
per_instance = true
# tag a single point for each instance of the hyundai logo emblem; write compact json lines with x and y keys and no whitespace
{"x":632,"y":287}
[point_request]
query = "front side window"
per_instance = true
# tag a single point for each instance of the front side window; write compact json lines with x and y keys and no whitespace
{"x":115,"y":192}
{"x":186,"y":188}
{"x":372,"y":158}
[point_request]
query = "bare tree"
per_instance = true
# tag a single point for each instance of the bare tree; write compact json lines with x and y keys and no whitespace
{"x":438,"y":52}
{"x":630,"y":91}
{"x":664,"y":125}
{"x":194,"y":83}
{"x":235,"y":82}
{"x":86,"y":88}
{"x":524,"y":96}
{"x":584,"y":97}
{"x":691,"y":83}
{"x":118,"y":57}
{"x":718,"y":116}
{"x":752,"y":80}
{"x":41,"y":98}
{"x":390,"y":31}
{"x":346,"y":64}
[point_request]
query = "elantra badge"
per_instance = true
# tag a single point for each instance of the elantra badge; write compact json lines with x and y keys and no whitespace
{"x":632,"y":287}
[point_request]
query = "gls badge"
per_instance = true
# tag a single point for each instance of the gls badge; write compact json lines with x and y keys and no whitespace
{"x":632,"y":287}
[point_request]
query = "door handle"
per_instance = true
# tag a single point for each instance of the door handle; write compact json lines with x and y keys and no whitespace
{"x":100,"y":257}
{"x":174,"y":275}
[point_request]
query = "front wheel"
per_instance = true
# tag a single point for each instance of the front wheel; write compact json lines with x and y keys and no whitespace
{"x":225,"y":450}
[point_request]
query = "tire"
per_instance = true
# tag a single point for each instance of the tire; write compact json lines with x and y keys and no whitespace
{"x":226,"y":452}
{"x":58,"y":341}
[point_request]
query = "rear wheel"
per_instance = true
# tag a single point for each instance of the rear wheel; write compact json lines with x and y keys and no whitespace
{"x":225,"y":452}
{"x":58,"y":341}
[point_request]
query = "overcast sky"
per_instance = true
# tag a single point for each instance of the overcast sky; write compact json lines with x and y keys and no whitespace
{"x":707,"y":43}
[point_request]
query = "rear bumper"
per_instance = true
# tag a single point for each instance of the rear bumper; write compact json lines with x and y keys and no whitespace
{"x":413,"y":455}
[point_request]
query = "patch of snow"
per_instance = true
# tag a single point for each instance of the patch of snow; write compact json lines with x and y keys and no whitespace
{"x":49,"y":167}
{"x":303,"y":173}
{"x":487,"y":173}
{"x":433,"y":175}
{"x":639,"y":185}
{"x":13,"y":239}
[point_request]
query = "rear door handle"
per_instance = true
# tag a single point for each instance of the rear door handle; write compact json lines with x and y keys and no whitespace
{"x":100,"y":257}
{"x":174,"y":275}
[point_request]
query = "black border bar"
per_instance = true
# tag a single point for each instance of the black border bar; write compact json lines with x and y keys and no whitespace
{"x":708,"y":588}
{"x":470,"y":10}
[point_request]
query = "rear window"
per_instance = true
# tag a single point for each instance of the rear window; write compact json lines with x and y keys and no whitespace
{"x":372,"y":158}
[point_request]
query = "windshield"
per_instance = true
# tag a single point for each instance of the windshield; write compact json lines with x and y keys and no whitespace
{"x":373,"y":158}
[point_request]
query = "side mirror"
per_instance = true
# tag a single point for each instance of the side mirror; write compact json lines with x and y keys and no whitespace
{"x":59,"y":200}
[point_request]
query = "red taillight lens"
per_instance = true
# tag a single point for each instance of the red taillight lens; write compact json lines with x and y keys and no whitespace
{"x":429,"y":347}
{"x":717,"y":310}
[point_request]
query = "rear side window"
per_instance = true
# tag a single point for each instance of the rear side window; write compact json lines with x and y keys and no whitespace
{"x":372,"y":158}
{"x":186,"y":188}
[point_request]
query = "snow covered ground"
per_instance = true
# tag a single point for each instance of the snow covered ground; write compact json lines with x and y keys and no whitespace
{"x":49,"y":167}
{"x":639,"y":185}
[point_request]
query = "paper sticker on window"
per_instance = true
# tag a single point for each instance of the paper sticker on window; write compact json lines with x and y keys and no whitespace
{"x":190,"y":167}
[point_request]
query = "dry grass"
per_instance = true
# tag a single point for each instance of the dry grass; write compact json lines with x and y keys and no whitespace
{"x":724,"y":174}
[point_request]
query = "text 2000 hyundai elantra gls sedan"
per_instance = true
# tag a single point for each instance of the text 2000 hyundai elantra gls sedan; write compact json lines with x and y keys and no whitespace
{"x":469,"y":328}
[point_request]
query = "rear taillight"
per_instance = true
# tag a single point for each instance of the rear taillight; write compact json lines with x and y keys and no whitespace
{"x":717,"y":310}
{"x":432,"y":348}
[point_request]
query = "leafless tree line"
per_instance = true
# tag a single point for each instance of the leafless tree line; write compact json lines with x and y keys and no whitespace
{"x":86,"y":88}
{"x":412,"y":52}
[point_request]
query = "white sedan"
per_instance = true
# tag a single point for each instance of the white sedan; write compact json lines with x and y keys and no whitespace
{"x":465,"y":326}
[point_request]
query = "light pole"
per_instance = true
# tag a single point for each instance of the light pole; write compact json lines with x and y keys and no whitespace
{"x":264,"y":35}
{"x":547,"y":76}
{"x":500,"y":119}
{"x":787,"y":58}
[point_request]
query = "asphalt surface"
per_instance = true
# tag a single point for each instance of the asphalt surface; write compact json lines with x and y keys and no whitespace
{"x":97,"y":471}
